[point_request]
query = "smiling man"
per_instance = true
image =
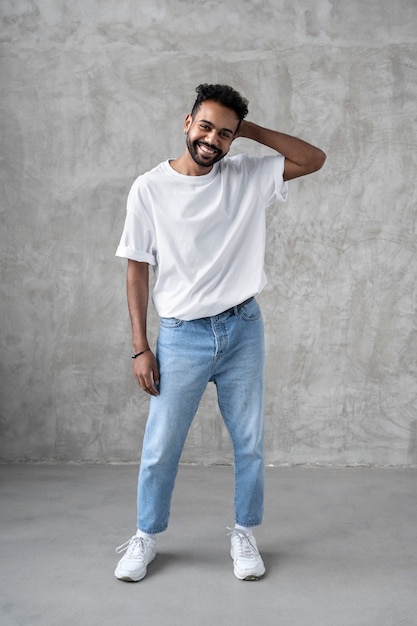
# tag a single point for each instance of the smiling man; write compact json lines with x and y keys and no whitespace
{"x":199,"y":221}
{"x":198,"y":129}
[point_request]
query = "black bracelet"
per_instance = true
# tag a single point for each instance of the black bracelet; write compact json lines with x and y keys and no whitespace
{"x":134,"y":356}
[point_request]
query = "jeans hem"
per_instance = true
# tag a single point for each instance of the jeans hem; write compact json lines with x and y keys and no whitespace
{"x":152,"y":532}
{"x":248,"y":524}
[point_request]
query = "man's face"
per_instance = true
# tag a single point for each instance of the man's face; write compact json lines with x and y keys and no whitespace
{"x":210,"y":133}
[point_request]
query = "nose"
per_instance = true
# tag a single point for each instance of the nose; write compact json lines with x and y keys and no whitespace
{"x":211,"y":137}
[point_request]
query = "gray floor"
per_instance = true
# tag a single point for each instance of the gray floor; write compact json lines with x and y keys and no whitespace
{"x":340,"y":547}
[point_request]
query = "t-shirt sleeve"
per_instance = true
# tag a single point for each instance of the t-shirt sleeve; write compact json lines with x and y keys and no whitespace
{"x":138,"y":238}
{"x":267,"y":173}
{"x":281,"y":185}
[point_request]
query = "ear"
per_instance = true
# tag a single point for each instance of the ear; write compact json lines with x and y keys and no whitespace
{"x":187,"y":123}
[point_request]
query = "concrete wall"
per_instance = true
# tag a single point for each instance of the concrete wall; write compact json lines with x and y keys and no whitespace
{"x":94,"y":92}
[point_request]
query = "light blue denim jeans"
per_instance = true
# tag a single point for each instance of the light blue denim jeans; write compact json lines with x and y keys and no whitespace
{"x":227,"y":349}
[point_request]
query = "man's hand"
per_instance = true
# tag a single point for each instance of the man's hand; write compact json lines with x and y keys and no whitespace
{"x":146,"y":372}
{"x":241,"y":130}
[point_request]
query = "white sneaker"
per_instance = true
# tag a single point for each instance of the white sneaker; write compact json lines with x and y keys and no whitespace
{"x":248,"y":564}
{"x":140,"y":551}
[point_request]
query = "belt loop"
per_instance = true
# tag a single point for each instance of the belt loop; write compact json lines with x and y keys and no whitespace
{"x":235,"y":310}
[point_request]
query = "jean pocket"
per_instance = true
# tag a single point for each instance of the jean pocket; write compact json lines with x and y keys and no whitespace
{"x":171,"y":322}
{"x":250,"y":312}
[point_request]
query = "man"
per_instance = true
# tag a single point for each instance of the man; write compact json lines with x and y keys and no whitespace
{"x":199,"y":220}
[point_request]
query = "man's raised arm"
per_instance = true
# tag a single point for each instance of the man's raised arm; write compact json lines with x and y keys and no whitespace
{"x":301,"y":158}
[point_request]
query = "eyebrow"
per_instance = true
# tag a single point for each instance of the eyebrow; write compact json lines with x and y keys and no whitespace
{"x":212,"y":125}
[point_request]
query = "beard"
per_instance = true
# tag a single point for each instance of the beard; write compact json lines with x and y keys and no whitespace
{"x":206,"y":161}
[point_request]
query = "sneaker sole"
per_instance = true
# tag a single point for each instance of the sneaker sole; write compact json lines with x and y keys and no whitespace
{"x":129,"y":579}
{"x":249,"y":576}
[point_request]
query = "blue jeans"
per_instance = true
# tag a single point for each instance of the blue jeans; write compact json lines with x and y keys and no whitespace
{"x":227,"y":349}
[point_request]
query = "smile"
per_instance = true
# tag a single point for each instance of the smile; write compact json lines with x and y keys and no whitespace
{"x":206,"y":149}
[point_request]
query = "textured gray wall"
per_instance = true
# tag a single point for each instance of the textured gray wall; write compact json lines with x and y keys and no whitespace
{"x":95,"y":92}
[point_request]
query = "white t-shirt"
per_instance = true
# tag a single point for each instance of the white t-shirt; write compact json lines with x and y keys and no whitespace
{"x":204,"y":235}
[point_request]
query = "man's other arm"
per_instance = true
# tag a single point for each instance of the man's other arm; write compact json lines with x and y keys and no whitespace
{"x":145,"y":368}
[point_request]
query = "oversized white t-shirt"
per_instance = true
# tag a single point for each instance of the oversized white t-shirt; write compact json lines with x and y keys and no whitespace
{"x":204,"y":235}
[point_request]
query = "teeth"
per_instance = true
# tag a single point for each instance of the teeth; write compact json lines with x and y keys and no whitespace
{"x":206,"y":149}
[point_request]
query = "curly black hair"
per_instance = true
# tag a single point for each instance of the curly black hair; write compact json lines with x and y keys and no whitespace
{"x":225,"y":95}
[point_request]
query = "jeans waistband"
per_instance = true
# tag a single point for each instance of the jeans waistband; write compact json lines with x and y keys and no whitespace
{"x":236,"y":309}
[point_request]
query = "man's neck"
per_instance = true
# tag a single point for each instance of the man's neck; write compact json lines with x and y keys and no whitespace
{"x":187,"y":166}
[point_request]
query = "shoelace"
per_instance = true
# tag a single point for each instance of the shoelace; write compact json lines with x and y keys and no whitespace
{"x":135,"y":547}
{"x":247,"y":549}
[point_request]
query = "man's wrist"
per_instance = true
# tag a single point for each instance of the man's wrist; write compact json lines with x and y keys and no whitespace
{"x":136,"y":354}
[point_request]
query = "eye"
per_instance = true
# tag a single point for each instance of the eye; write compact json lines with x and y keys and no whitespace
{"x":225,"y":135}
